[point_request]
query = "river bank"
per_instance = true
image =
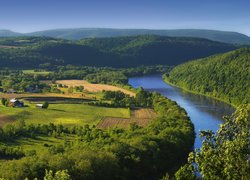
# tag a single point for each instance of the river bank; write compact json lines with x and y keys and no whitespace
{"x":206,"y":113}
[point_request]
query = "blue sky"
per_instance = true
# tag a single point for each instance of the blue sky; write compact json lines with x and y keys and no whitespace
{"x":34,"y":15}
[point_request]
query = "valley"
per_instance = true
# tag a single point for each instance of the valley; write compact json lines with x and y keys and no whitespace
{"x":103,"y":102}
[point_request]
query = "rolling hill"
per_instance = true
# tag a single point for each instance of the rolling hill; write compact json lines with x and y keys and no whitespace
{"x":225,"y":76}
{"x":113,"y":52}
{"x":80,"y":33}
{"x":8,"y":33}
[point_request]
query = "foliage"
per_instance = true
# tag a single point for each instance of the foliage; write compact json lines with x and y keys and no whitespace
{"x":45,"y":105}
{"x":224,"y":155}
{"x":119,"y":99}
{"x":107,"y":77}
{"x":59,"y":175}
{"x":30,"y":52}
{"x":136,"y":153}
{"x":224,"y":76}
{"x":4,"y":100}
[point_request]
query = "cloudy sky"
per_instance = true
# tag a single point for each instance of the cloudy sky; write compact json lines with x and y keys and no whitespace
{"x":34,"y":15}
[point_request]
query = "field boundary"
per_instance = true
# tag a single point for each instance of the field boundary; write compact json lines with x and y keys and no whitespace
{"x":141,"y":117}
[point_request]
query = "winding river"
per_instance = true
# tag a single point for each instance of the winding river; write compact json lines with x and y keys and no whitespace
{"x":205,"y":113}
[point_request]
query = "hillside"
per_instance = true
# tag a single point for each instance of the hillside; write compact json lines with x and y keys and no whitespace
{"x":114,"y":52}
{"x":80,"y":33}
{"x":8,"y":33}
{"x":224,"y":76}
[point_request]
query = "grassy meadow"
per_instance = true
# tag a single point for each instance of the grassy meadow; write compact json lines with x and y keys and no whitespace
{"x":65,"y":114}
{"x":32,"y":71}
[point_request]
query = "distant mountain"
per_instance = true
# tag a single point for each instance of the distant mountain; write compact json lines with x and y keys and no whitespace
{"x":81,"y":33}
{"x":8,"y":33}
{"x":225,"y":76}
{"x":76,"y":34}
{"x":113,"y":52}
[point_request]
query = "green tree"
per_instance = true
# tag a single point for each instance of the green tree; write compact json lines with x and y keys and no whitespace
{"x":59,"y":175}
{"x":45,"y":105}
{"x":224,"y":155}
{"x":3,"y":101}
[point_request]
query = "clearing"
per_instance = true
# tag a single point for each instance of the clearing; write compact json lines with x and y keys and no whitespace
{"x":65,"y":114}
{"x":30,"y":71}
{"x":142,"y":117}
{"x":94,"y":87}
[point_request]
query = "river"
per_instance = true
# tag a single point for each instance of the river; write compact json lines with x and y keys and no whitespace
{"x":205,"y":113}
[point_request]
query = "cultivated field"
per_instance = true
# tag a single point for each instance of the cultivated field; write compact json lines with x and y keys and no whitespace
{"x":66,"y":114}
{"x":25,"y":95}
{"x":94,"y":87}
{"x":142,"y":117}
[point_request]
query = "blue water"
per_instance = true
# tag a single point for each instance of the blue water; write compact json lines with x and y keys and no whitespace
{"x":205,"y":113}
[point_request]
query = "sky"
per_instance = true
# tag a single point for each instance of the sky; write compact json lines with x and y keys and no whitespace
{"x":35,"y":15}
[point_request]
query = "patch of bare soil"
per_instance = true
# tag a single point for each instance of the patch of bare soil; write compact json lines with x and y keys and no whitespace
{"x":94,"y":87}
{"x":5,"y":119}
{"x":142,"y":117}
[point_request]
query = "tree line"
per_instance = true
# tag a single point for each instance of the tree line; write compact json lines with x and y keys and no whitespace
{"x":224,"y":76}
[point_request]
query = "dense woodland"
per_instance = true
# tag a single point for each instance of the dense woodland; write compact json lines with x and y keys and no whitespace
{"x":30,"y":52}
{"x":224,"y":154}
{"x":225,"y":76}
{"x":136,"y":153}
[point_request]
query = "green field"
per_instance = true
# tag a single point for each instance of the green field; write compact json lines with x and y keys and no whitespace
{"x":66,"y":114}
{"x":30,"y":71}
{"x":40,"y":144}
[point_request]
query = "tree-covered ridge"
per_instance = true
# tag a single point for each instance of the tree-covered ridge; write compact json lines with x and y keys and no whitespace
{"x":80,"y":33}
{"x":225,"y":76}
{"x":133,"y":51}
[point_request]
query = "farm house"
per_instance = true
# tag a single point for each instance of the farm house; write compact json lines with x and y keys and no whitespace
{"x":16,"y":103}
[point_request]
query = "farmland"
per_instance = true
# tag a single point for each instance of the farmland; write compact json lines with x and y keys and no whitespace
{"x":26,"y":95}
{"x":141,"y":117}
{"x":94,"y":87}
{"x":65,"y":114}
{"x":32,"y":72}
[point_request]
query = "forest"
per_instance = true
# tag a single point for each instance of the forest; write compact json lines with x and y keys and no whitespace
{"x":32,"y":52}
{"x":224,"y":154}
{"x":225,"y":76}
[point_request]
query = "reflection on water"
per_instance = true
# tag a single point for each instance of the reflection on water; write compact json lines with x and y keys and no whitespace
{"x":205,"y":112}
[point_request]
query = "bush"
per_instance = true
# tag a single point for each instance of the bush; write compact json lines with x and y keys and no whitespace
{"x":45,"y":105}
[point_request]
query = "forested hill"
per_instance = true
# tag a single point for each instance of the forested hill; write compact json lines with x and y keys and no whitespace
{"x":8,"y":33}
{"x":75,"y":34}
{"x":114,"y":52}
{"x":80,"y":33}
{"x":225,"y":76}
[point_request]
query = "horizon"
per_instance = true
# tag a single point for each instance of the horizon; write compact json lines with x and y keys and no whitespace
{"x":29,"y":16}
{"x":121,"y":29}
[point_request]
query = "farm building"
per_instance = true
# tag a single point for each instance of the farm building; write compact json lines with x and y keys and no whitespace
{"x":11,"y":91}
{"x":39,"y":105}
{"x":16,"y":103}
